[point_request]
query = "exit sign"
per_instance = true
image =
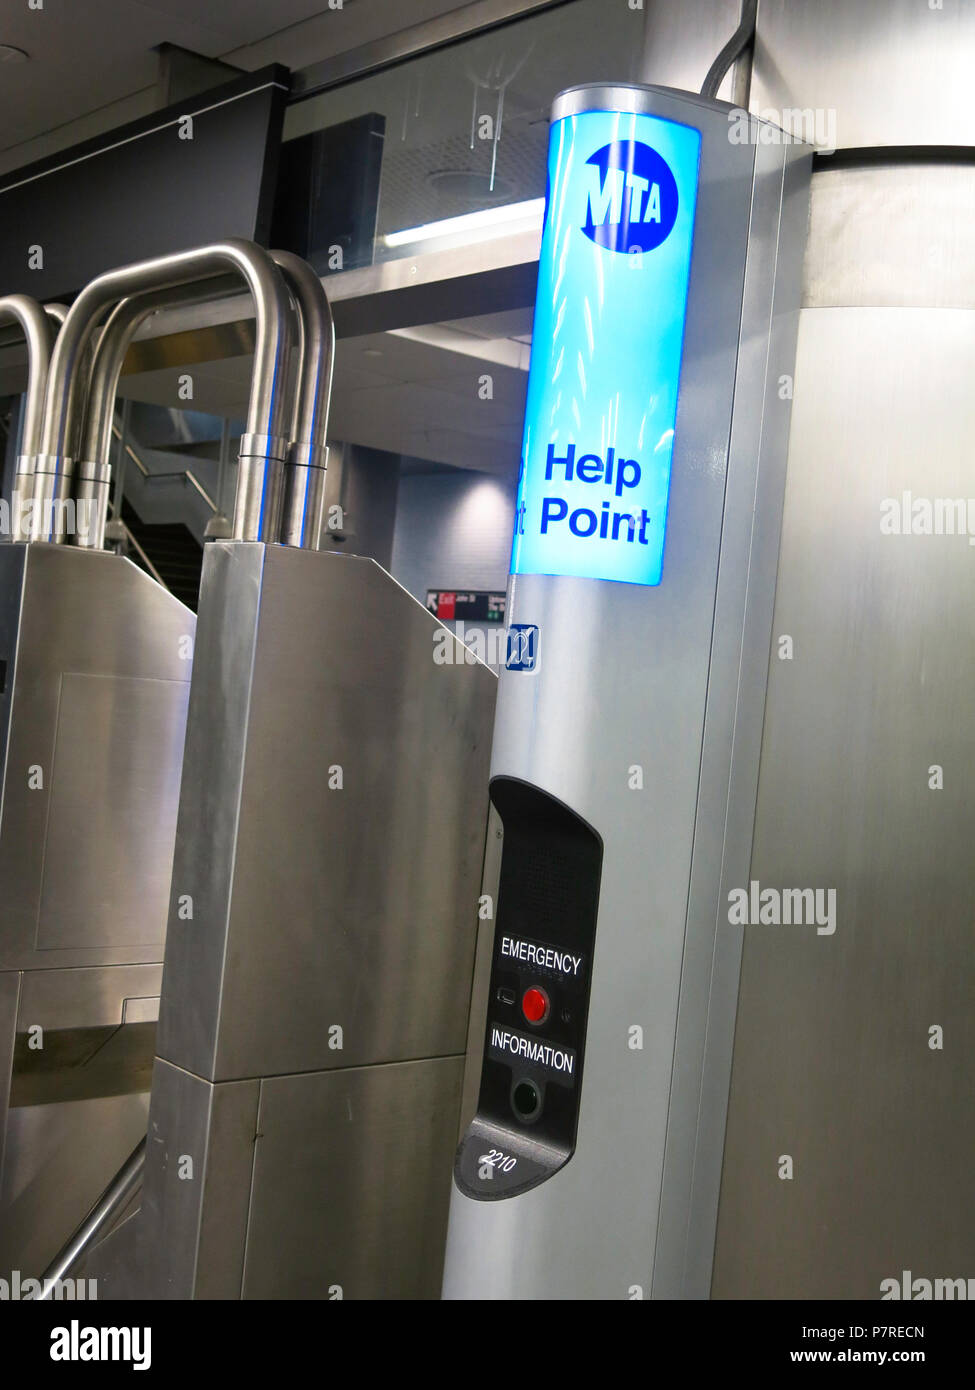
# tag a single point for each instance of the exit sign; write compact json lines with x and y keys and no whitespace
{"x":452,"y":605}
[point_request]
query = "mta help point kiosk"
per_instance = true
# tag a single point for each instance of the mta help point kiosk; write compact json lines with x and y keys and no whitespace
{"x":627,"y":734}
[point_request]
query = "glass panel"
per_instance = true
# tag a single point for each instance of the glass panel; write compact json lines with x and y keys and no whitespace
{"x":447,"y":148}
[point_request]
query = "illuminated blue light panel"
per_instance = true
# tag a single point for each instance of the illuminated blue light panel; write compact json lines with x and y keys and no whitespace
{"x":606,"y":347}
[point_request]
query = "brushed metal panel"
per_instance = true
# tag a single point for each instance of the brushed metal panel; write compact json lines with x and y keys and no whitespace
{"x":230,"y":1148}
{"x":112,"y":820}
{"x":209,"y":807}
{"x":142,"y":1009}
{"x":832,"y":1064}
{"x":93,"y":998}
{"x":86,"y":614}
{"x":53,"y":1172}
{"x":83,"y":1064}
{"x":9,"y":995}
{"x":895,"y":72}
{"x":96,"y":700}
{"x":901,"y":235}
{"x":377,"y":882}
{"x":683,"y":39}
{"x":477,"y":1021}
{"x":352,"y":1181}
{"x":188,"y":1240}
{"x":354,"y":907}
{"x":733,"y":726}
{"x":12,"y":566}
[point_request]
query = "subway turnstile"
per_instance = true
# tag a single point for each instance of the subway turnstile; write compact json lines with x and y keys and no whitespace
{"x":95,"y":662}
{"x":306,"y":1094}
{"x":626,"y":744}
{"x":94,"y":681}
{"x":320,"y":949}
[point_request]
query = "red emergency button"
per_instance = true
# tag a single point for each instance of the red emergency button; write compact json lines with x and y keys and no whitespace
{"x":534,"y":1005}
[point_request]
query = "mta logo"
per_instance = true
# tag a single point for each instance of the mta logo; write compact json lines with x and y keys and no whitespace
{"x":631,"y":197}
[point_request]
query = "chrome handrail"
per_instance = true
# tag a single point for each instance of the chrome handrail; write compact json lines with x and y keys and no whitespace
{"x":186,"y":473}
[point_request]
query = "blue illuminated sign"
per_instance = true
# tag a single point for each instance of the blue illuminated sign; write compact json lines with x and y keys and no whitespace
{"x":606,"y":347}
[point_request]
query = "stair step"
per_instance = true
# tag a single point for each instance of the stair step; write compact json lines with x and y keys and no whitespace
{"x":172,"y":550}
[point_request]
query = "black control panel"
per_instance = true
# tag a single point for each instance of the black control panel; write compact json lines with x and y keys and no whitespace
{"x":545,"y":929}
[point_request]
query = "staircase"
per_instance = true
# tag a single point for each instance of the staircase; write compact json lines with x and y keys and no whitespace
{"x":173,"y":552}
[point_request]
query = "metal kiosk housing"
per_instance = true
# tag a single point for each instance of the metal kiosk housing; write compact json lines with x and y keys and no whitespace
{"x":610,"y":1188}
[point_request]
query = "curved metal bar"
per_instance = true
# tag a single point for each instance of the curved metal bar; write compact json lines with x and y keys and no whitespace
{"x":39,"y":332}
{"x":93,"y":470}
{"x":264,"y":445}
{"x":122,"y":325}
{"x":305,"y":480}
{"x":58,"y":313}
{"x":307,"y":456}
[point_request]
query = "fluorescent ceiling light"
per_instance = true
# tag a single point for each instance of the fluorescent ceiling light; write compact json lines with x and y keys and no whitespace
{"x":470,"y":222}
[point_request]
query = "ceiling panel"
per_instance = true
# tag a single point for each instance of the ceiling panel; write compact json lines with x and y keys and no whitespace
{"x":510,"y":323}
{"x":507,"y":400}
{"x":82,"y":55}
{"x":235,"y":23}
{"x":92,"y":64}
{"x":389,"y":392}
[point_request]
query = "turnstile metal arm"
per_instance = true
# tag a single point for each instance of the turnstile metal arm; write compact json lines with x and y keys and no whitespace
{"x":119,"y":1190}
{"x":39,"y":332}
{"x":93,"y":469}
{"x":307,"y":456}
{"x":264,"y":445}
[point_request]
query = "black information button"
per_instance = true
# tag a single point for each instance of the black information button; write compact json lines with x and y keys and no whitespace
{"x":531,"y":1074}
